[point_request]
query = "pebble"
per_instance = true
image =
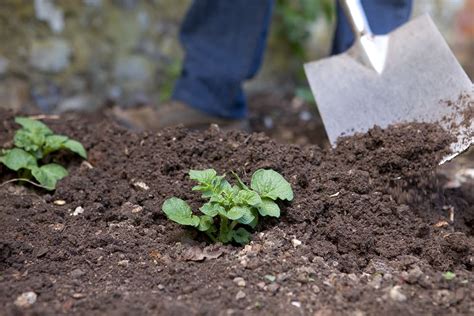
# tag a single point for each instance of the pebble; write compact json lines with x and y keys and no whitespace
{"x":77,"y":273}
{"x":443,"y":297}
{"x":302,"y":277}
{"x":137,"y":209}
{"x":123,"y":263}
{"x":78,"y":295}
{"x":376,"y":282}
{"x":161,"y":287}
{"x":354,"y":278}
{"x":396,"y":294}
{"x":57,"y":227}
{"x":414,"y":275}
{"x":297,"y":304}
{"x":240,"y":295}
{"x":281,"y":277}
{"x":316,"y":289}
{"x":240,"y":282}
{"x":26,"y":299}
{"x":77,"y":211}
{"x":59,"y":202}
{"x":141,"y":185}
{"x":296,"y":242}
{"x":273,"y":287}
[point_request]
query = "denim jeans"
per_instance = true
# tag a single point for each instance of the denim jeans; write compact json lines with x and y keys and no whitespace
{"x":224,"y":42}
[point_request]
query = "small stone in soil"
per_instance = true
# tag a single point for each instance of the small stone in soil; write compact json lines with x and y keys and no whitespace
{"x":296,"y":242}
{"x":240,"y":295}
{"x":26,"y":299}
{"x":397,"y":295}
{"x":297,"y":304}
{"x":123,"y":263}
{"x":78,"y":295}
{"x":59,"y":202}
{"x":315,"y":289}
{"x":141,"y":185}
{"x":78,"y":210}
{"x":239,"y":281}
{"x":414,"y":275}
{"x":57,"y":227}
{"x":273,"y":287}
{"x":77,"y":273}
{"x":137,"y":209}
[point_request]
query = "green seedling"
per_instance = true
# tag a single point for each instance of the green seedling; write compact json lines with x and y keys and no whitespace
{"x":230,"y":208}
{"x":33,"y":142}
{"x":448,"y":275}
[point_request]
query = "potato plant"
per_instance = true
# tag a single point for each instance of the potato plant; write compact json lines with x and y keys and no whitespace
{"x":33,"y":142}
{"x":230,"y":208}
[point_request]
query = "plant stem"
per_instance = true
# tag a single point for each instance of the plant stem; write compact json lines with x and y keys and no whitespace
{"x":233,"y":224}
{"x":211,"y":237}
{"x":224,"y":229}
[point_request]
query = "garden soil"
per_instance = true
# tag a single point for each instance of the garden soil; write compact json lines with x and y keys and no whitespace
{"x":371,"y":230}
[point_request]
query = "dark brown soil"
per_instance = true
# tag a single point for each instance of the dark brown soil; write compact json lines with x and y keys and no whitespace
{"x":287,"y":119}
{"x":370,"y":231}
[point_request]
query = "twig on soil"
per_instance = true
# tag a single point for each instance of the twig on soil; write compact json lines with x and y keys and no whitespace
{"x":247,"y":139}
{"x":44,"y":116}
{"x":26,"y":180}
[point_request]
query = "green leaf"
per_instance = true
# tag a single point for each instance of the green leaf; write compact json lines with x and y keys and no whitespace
{"x":30,"y":141}
{"x":205,"y":223}
{"x":271,"y":184}
{"x":211,"y":209}
{"x":237,"y":212}
{"x":217,"y":199}
{"x":48,"y":175}
{"x":254,"y":223}
{"x":210,"y":184}
{"x":247,"y":197}
{"x":16,"y":159}
{"x":180,"y":212}
{"x":54,"y":143}
{"x":203,"y":176}
{"x":247,"y":217}
{"x":33,"y":125}
{"x":75,"y":147}
{"x":269,"y":208}
{"x":241,"y":236}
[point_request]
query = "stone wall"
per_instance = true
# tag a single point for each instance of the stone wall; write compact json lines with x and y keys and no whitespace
{"x":70,"y":54}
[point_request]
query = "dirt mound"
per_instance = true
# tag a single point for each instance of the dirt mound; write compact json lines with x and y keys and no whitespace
{"x":369,"y":229}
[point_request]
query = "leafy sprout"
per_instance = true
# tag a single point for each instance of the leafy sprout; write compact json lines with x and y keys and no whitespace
{"x":230,"y":209}
{"x":449,"y":275}
{"x":33,"y":142}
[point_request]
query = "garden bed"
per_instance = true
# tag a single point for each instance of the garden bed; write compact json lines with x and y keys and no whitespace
{"x":371,"y":229}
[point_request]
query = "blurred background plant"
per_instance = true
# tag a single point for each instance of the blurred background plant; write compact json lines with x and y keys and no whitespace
{"x":292,"y":25}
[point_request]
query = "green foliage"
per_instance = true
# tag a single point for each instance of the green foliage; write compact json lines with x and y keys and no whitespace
{"x":294,"y":18}
{"x":33,"y":142}
{"x":291,"y":29}
{"x":231,"y":206}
